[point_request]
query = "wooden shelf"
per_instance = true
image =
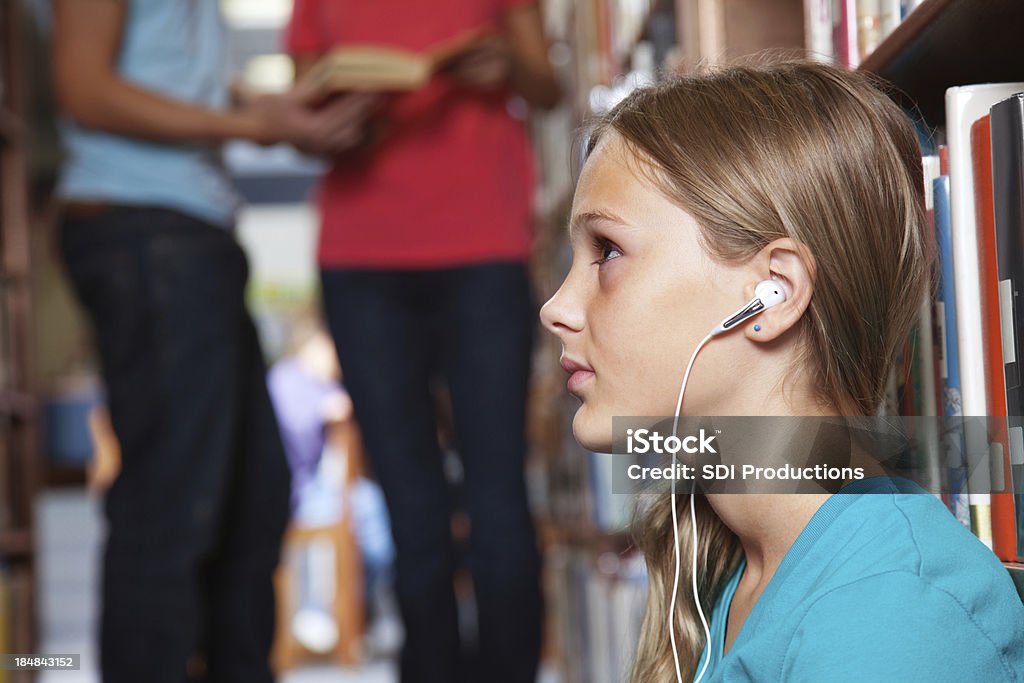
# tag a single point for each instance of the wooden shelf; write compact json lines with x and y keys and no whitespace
{"x":11,"y":127}
{"x":17,"y":404}
{"x":576,"y":533}
{"x":64,"y":474}
{"x":944,"y":43}
{"x":15,"y":543}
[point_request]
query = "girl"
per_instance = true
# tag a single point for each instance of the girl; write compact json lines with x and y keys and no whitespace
{"x":694,"y":191}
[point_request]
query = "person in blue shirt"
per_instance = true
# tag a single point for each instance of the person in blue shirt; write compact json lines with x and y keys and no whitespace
{"x":196,"y":514}
{"x":693,"y":191}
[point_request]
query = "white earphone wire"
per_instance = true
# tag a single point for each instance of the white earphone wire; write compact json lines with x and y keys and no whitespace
{"x":675,"y":536}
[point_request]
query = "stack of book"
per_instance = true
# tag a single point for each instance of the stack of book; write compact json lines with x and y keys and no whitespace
{"x":846,"y":31}
{"x":600,"y":600}
{"x":961,"y":360}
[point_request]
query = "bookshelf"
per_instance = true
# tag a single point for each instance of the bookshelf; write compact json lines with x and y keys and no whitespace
{"x":946,"y":43}
{"x":943,"y":43}
{"x":18,"y":447}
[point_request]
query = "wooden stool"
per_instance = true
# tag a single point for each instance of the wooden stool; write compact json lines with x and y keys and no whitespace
{"x":348,"y":607}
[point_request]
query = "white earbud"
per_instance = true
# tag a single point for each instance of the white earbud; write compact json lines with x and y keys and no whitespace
{"x":767,"y":293}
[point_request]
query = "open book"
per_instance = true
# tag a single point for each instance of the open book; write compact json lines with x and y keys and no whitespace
{"x":382,"y":68}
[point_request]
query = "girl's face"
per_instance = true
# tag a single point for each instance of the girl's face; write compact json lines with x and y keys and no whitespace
{"x":639,"y":297}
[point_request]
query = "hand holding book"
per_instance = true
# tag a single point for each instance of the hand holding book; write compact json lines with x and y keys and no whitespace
{"x":484,"y":65}
{"x":328,"y":127}
{"x":478,"y":57}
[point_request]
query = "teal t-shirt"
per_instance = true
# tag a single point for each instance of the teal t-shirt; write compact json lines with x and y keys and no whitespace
{"x":880,"y":586}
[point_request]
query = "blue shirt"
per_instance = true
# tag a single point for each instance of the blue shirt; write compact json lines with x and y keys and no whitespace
{"x":176,"y":48}
{"x":877,"y":587}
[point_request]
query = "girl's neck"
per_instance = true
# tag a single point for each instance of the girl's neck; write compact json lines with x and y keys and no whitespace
{"x":767,"y":525}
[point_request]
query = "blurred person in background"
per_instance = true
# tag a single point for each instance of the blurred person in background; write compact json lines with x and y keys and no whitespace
{"x":426,"y":229}
{"x":196,"y":514}
{"x":329,"y":486}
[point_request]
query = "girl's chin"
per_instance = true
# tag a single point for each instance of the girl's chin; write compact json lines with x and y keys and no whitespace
{"x":592,"y":432}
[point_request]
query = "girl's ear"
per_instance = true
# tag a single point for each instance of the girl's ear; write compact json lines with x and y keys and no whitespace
{"x":792,"y":266}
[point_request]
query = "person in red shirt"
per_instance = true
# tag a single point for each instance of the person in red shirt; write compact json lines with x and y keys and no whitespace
{"x":425,"y":234}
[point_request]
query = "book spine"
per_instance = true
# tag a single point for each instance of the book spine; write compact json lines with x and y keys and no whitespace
{"x":952,"y":405}
{"x":869,"y":26}
{"x":818,"y":29}
{"x":1007,"y":150}
{"x":910,"y":5}
{"x":1003,"y":530}
{"x":891,"y":16}
{"x":844,"y":33}
{"x":930,"y":351}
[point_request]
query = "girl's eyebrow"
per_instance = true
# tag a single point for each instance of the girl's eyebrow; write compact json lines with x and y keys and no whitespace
{"x":580,"y":220}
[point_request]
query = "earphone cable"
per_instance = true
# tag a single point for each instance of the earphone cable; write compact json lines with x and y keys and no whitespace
{"x":675,"y":537}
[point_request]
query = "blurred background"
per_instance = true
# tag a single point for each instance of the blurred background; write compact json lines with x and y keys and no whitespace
{"x":57,"y":450}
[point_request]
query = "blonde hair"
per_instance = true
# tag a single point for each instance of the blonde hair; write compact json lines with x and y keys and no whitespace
{"x":755,"y":151}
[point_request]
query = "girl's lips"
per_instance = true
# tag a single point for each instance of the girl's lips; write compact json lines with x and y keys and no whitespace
{"x":571,"y":366}
{"x":577,"y":379}
{"x":579,"y":373}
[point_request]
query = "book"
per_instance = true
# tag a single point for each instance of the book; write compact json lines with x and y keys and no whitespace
{"x":869,"y":26}
{"x":602,"y":596}
{"x":965,"y":105}
{"x":1004,"y":531}
{"x":611,"y":511}
{"x":891,"y":16}
{"x":844,"y":33}
{"x":371,"y":68}
{"x":628,"y":598}
{"x":953,"y":447}
{"x":1007,"y":150}
{"x":929,"y":353}
{"x":909,"y":6}
{"x":818,"y":29}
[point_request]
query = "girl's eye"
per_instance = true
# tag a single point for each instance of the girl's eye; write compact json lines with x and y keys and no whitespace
{"x":606,"y":249}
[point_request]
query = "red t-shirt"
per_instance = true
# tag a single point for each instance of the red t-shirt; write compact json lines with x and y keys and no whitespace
{"x":451,"y":180}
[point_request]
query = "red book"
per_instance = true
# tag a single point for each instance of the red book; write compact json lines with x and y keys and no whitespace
{"x":1004,"y":525}
{"x":844,"y":34}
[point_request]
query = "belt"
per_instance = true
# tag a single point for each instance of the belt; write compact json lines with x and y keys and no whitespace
{"x":82,"y":208}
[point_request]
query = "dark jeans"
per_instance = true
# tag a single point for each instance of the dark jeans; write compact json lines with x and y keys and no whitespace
{"x":196,"y":516}
{"x":476,"y":324}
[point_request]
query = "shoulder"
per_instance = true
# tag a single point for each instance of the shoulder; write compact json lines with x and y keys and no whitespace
{"x":900,"y":625}
{"x":902,"y":591}
{"x":912,"y":532}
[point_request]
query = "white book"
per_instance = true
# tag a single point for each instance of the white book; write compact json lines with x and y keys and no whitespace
{"x":869,"y":25}
{"x":965,"y":105}
{"x":892,"y":15}
{"x":818,"y":30}
{"x":599,"y":617}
